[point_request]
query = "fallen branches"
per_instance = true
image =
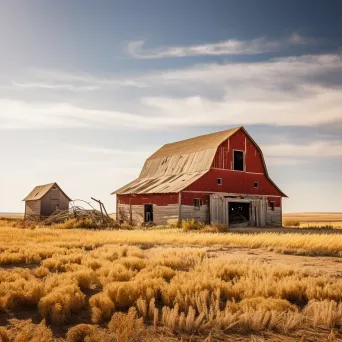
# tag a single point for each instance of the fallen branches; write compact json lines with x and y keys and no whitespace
{"x":90,"y":218}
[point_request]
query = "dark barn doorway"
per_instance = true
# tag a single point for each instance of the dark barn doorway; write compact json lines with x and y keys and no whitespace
{"x":238,"y":213}
{"x":148,"y":212}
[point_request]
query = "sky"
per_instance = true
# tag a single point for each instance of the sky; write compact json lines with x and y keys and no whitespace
{"x":90,"y":89}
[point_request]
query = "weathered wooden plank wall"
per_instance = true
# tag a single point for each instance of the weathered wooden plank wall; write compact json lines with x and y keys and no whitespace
{"x":32,"y":208}
{"x":161,"y":214}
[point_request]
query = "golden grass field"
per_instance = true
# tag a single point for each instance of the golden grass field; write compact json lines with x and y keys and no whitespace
{"x":315,"y":219}
{"x":167,"y":284}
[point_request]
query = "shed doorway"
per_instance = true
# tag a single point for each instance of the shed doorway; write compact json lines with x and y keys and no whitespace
{"x":238,"y":213}
{"x":148,"y":213}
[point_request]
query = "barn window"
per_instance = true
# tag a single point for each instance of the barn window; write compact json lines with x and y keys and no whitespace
{"x":256,"y":185}
{"x":238,"y":160}
{"x":272,"y":205}
{"x":197,"y":203}
{"x":219,"y":181}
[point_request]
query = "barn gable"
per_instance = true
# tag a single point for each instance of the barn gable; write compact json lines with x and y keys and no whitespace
{"x":176,"y":166}
{"x":255,"y":170}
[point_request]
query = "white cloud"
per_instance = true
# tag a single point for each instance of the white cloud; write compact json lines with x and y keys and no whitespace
{"x":70,"y":87}
{"x":316,"y":149}
{"x":283,"y":91}
{"x":61,"y":80}
{"x":271,"y":73}
{"x":302,"y":111}
{"x":227,"y":47}
{"x":109,"y":151}
{"x":23,"y":115}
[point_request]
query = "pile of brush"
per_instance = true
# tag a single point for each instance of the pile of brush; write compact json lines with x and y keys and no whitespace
{"x":75,"y":217}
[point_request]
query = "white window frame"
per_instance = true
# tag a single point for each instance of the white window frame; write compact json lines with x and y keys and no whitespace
{"x":197,"y":207}
{"x":244,"y":161}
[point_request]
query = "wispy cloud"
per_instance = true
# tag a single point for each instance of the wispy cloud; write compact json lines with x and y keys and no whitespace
{"x":291,"y":91}
{"x":70,"y":87}
{"x":72,"y":81}
{"x":227,"y":47}
{"x":315,"y":149}
{"x":108,"y":151}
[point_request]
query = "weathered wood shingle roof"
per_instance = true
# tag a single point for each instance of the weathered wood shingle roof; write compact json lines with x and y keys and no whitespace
{"x":40,"y":191}
{"x":177,"y":165}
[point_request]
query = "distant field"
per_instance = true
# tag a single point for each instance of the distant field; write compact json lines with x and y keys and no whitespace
{"x":11,"y":215}
{"x":315,"y":219}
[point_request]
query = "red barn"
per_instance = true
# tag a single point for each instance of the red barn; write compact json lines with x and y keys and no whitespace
{"x":219,"y":177}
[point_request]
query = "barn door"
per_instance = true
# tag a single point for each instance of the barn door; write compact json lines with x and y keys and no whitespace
{"x":263,"y":209}
{"x":54,"y":205}
{"x":148,"y":213}
{"x":258,"y":213}
{"x":255,"y":213}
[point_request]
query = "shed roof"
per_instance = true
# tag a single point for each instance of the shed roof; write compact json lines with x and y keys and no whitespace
{"x":41,"y":190}
{"x":177,"y":165}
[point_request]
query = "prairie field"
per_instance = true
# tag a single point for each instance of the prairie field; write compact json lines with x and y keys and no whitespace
{"x":169,"y":285}
{"x":315,"y":219}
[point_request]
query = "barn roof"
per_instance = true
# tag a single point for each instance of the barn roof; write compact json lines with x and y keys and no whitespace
{"x":177,"y":165}
{"x":40,"y":191}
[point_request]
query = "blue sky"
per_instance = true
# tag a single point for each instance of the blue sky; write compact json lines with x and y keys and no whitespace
{"x":88,"y":90}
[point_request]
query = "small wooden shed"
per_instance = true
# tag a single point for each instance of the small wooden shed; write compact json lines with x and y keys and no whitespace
{"x":46,"y":199}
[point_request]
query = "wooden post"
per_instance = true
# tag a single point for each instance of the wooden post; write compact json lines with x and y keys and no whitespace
{"x":117,"y":218}
{"x":179,"y":208}
{"x":281,"y":212}
{"x":209,"y":218}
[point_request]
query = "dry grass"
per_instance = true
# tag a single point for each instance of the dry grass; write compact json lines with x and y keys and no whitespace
{"x":315,"y":220}
{"x":24,"y":249}
{"x":291,"y":223}
{"x":139,"y":291}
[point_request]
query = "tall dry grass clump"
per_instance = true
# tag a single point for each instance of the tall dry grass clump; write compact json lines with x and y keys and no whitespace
{"x":191,"y":224}
{"x":28,"y":331}
{"x":101,"y":306}
{"x":127,"y":327}
{"x":75,"y":223}
{"x":57,"y":306}
{"x":4,"y":337}
{"x":291,"y":223}
{"x":81,"y":332}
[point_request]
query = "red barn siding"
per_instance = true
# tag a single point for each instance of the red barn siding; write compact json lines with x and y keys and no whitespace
{"x":188,"y":198}
{"x":276,"y":200}
{"x":234,"y":182}
{"x":239,"y":141}
{"x":158,"y":199}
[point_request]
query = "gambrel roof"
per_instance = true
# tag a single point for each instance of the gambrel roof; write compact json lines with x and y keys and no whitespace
{"x":177,"y":165}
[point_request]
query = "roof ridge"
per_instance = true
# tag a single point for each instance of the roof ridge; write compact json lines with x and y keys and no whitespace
{"x":204,"y":135}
